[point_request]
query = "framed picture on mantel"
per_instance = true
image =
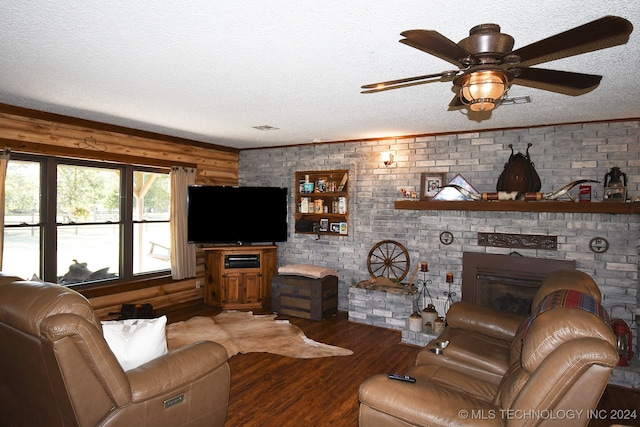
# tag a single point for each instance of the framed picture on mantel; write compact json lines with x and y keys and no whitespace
{"x":430,"y":184}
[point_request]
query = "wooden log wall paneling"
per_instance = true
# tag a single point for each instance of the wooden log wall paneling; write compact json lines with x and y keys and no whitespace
{"x":160,"y":296}
{"x":36,"y":132}
{"x":40,"y":133}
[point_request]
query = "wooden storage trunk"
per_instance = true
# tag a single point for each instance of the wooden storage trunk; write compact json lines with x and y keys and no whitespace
{"x":301,"y":296}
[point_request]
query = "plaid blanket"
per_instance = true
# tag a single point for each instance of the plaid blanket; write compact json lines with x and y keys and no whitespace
{"x":569,"y":299}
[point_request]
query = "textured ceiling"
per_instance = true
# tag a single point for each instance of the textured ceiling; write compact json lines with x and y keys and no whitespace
{"x":212,"y":70}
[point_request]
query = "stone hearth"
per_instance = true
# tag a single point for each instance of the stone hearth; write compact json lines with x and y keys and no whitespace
{"x":388,"y":309}
{"x":381,"y":308}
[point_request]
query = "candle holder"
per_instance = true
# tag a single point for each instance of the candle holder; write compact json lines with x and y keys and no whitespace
{"x":424,"y":290}
{"x":449,"y":294}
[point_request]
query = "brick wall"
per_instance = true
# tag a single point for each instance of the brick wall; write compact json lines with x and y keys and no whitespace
{"x":561,"y":154}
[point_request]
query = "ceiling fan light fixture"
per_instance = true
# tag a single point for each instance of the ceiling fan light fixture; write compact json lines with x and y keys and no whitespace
{"x":488,"y":65}
{"x":480,"y":89}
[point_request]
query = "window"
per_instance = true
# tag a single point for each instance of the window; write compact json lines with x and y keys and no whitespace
{"x":73,"y":222}
{"x":87,"y":223}
{"x":151,"y":210}
{"x":22,"y":219}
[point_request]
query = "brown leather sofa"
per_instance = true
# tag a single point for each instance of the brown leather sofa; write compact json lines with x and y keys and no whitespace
{"x":559,"y":363}
{"x":481,"y":340}
{"x":56,"y":369}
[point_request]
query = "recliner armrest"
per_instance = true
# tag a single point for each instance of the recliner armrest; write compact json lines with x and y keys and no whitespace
{"x":484,"y":320}
{"x":176,"y":368}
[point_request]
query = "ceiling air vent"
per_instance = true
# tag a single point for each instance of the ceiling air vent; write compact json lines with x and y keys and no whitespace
{"x":265,"y":127}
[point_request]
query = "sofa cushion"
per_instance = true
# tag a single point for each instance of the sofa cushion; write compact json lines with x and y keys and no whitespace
{"x":488,"y":353}
{"x":484,"y":320}
{"x":453,"y":379}
{"x":136,"y":341}
{"x":479,"y":356}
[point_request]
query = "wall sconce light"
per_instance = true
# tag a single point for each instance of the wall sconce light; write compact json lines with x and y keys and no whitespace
{"x":387,"y":158}
{"x":481,"y":89}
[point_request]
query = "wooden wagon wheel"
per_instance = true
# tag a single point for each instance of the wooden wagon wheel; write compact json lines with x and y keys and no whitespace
{"x":390,"y":259}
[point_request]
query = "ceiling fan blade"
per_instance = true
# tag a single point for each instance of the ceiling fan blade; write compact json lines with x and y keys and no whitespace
{"x":409,"y":81}
{"x":565,"y":82}
{"x":602,"y":33}
{"x":435,"y":44}
{"x":383,"y":88}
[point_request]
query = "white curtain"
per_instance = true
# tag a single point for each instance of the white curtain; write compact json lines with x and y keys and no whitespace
{"x":183,"y":254}
{"x":4,"y":161}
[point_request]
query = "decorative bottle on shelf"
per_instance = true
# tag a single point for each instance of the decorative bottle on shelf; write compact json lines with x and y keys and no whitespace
{"x":304,"y":205}
{"x":415,"y":322}
{"x":429,"y":315}
{"x":342,"y":205}
{"x":438,"y":325}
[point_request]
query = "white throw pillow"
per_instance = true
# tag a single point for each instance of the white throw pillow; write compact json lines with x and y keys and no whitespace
{"x":136,"y":341}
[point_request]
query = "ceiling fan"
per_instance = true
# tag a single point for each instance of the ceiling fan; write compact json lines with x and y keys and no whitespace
{"x":487,"y":65}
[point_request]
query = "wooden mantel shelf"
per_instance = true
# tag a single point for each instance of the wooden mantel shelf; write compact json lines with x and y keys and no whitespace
{"x":521,"y":206}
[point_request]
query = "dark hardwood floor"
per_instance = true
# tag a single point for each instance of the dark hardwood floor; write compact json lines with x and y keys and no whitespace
{"x":269,"y":390}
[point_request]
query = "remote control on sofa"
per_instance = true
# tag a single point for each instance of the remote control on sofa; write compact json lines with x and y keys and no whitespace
{"x":402,"y":378}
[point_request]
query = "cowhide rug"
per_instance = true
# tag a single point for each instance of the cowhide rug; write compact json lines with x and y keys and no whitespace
{"x":244,"y":332}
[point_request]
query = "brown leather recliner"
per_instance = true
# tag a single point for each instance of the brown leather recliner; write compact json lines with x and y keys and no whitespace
{"x":56,"y":369}
{"x":484,"y":342}
{"x":566,"y":358}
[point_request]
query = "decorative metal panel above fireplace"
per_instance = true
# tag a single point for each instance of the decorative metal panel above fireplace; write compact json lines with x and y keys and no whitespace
{"x":527,"y":241}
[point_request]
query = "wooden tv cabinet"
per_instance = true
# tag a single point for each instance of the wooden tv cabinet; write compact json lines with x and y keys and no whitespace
{"x":239,"y":277}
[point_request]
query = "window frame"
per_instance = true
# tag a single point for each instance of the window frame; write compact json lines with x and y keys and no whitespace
{"x":48,"y":217}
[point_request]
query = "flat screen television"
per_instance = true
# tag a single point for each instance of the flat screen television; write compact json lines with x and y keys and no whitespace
{"x":236,"y":215}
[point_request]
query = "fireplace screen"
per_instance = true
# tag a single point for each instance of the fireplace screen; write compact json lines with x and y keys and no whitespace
{"x":513,"y":295}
